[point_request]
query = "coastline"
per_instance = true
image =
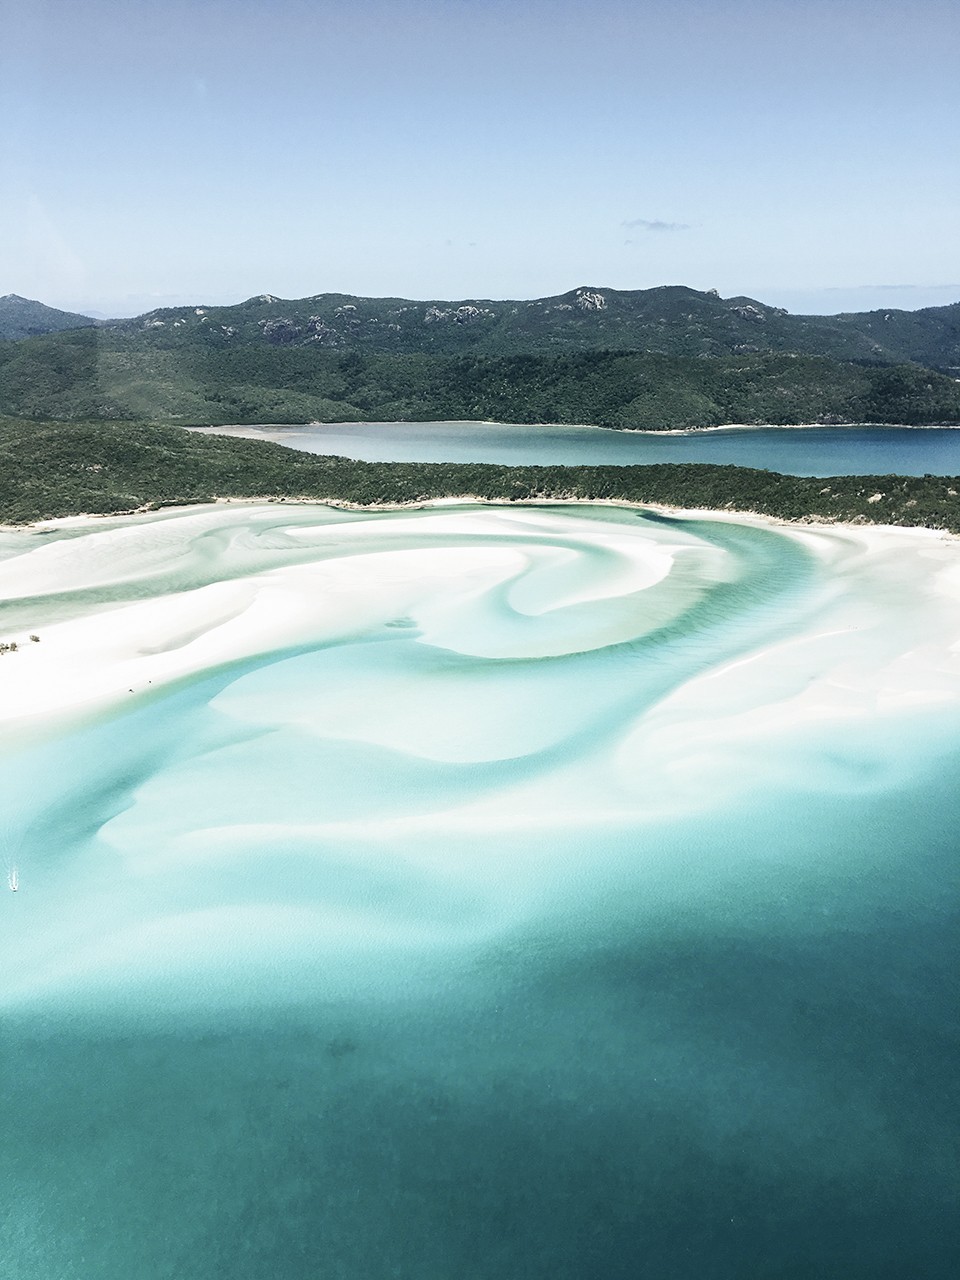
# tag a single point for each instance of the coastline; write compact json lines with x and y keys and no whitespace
{"x":93,"y":519}
{"x":256,"y":430}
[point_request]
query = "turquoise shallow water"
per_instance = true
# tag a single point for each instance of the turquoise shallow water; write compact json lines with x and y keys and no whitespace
{"x":807,"y":451}
{"x":559,"y":892}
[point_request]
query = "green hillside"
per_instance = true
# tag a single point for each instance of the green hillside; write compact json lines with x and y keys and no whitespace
{"x":23,"y":318}
{"x":211,"y":379}
{"x":657,"y":358}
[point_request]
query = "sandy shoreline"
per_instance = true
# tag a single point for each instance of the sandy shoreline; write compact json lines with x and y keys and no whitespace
{"x":93,"y":519}
{"x":256,"y":430}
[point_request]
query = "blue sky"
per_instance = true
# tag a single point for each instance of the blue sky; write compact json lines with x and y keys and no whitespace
{"x":160,"y":152}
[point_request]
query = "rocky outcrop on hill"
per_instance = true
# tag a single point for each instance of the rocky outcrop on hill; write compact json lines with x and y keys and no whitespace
{"x":280,"y":330}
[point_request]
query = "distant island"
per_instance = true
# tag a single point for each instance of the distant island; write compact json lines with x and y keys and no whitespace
{"x":94,"y":409}
{"x":653,"y":359}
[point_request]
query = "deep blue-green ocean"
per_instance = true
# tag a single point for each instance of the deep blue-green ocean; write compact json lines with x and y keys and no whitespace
{"x":801,"y":451}
{"x":557,"y":893}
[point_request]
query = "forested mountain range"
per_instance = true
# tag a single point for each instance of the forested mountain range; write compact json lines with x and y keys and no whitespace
{"x":670,"y":320}
{"x":658,"y":358}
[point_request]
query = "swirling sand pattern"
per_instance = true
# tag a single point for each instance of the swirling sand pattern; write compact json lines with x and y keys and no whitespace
{"x":477,"y":891}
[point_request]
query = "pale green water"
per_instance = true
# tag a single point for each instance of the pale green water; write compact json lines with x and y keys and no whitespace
{"x":506,"y":912}
{"x":806,"y":451}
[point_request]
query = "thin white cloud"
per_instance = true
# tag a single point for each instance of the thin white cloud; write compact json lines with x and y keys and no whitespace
{"x":655,"y":224}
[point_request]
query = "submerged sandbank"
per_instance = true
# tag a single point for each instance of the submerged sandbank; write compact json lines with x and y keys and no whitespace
{"x":126,"y":605}
{"x":467,"y":700}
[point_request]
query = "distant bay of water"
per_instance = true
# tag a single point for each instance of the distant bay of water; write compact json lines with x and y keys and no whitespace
{"x":799,"y":451}
{"x":478,"y":893}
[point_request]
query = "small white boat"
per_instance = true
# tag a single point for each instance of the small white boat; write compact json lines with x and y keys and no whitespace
{"x":13,"y":879}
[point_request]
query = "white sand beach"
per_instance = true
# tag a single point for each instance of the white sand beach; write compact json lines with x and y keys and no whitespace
{"x":493,"y":581}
